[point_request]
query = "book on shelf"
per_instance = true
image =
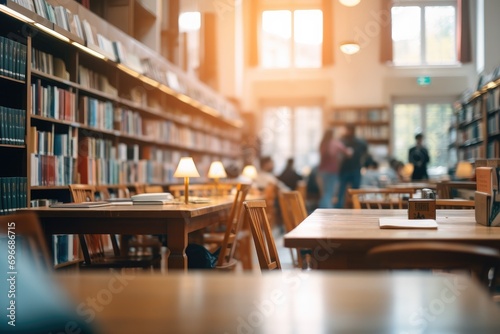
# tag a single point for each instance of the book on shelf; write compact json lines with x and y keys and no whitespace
{"x":13,"y":194}
{"x":12,"y":59}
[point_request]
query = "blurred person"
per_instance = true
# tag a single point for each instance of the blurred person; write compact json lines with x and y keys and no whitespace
{"x":332,"y":153}
{"x":419,"y":157}
{"x":350,"y":170}
{"x":371,"y":177}
{"x":289,"y":176}
{"x":266,"y":177}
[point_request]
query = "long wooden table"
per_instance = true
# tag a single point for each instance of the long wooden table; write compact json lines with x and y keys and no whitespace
{"x":174,"y":220}
{"x":283,"y":302}
{"x":340,"y":238}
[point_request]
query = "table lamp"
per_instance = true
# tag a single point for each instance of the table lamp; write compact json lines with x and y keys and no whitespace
{"x":216,"y":171}
{"x":249,"y":172}
{"x":186,"y":169}
{"x":464,"y":170}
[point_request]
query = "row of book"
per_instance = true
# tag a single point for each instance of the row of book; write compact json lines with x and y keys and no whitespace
{"x":13,"y":194}
{"x":109,"y":171}
{"x":91,"y":79}
{"x":52,"y":170}
{"x":49,"y":64}
{"x":65,"y":248}
{"x":471,"y":153}
{"x":96,"y":113}
{"x":471,"y":134}
{"x":493,"y":100}
{"x":494,"y":124}
{"x":53,"y":102}
{"x":470,"y":112}
{"x":12,"y":59}
{"x":114,"y":51}
{"x":52,"y":143}
{"x":12,"y":126}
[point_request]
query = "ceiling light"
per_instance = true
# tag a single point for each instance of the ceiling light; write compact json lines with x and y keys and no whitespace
{"x":349,"y":3}
{"x":349,"y":48}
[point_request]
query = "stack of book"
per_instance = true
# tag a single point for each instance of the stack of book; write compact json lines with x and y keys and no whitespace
{"x":152,"y":199}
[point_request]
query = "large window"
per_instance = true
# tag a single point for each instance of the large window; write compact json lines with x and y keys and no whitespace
{"x":433,"y":119}
{"x":424,"y":32}
{"x":291,"y":38}
{"x":292,"y":132}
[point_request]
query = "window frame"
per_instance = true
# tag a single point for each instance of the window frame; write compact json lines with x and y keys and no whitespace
{"x":423,"y":48}
{"x":273,"y":5}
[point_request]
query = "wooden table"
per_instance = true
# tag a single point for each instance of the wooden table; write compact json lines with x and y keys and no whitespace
{"x":283,"y":302}
{"x":174,"y":220}
{"x":340,"y":238}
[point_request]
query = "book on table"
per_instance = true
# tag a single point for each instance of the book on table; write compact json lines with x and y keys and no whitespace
{"x":403,"y":223}
{"x":152,"y":199}
{"x":80,"y":205}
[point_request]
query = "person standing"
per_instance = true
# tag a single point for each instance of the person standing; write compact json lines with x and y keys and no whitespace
{"x":419,"y":157}
{"x":350,"y":170}
{"x":332,"y":152}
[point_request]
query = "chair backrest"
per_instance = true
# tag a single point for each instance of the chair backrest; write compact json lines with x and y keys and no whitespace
{"x":455,"y":203}
{"x":93,"y":245}
{"x":153,"y":189}
{"x":293,"y":209}
{"x":262,"y":235}
{"x":82,"y":192}
{"x":437,"y":255}
{"x":380,"y":198}
{"x":201,"y":190}
{"x":27,"y":225}
{"x":233,"y":226}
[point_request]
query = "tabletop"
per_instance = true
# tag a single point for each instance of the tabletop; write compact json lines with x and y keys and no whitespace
{"x":283,"y":302}
{"x":345,"y":235}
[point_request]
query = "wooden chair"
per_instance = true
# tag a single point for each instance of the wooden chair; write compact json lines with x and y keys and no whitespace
{"x":455,"y":203}
{"x":380,"y":198}
{"x":293,"y":212}
{"x":445,"y":189}
{"x":199,"y":190}
{"x":262,"y":235}
{"x":153,"y":189}
{"x":28,"y":233}
{"x":478,"y":260}
{"x":226,"y":259}
{"x":94,"y":246}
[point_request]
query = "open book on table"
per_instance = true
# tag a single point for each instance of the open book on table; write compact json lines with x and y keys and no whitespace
{"x":395,"y":223}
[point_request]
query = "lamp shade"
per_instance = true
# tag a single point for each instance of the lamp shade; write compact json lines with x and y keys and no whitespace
{"x":349,"y":48}
{"x":186,"y":168}
{"x":464,"y":170}
{"x":216,"y":170}
{"x":250,"y":172}
{"x":349,"y":3}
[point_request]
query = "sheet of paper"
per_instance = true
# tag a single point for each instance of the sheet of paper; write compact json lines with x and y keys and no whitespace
{"x":391,"y":222}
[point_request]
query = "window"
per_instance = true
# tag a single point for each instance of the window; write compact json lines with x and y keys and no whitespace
{"x":292,"y":132}
{"x":189,"y":27}
{"x":433,"y":119}
{"x":291,"y":38}
{"x":424,"y":32}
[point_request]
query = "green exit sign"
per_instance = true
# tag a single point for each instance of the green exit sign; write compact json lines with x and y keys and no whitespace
{"x":424,"y":80}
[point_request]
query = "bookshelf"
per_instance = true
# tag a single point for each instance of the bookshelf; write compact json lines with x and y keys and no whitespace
{"x":478,"y":123}
{"x":70,"y":114}
{"x":372,"y":124}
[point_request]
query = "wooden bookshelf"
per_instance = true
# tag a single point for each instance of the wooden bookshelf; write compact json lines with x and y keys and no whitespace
{"x":478,"y":123}
{"x":84,"y":118}
{"x":372,"y":124}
